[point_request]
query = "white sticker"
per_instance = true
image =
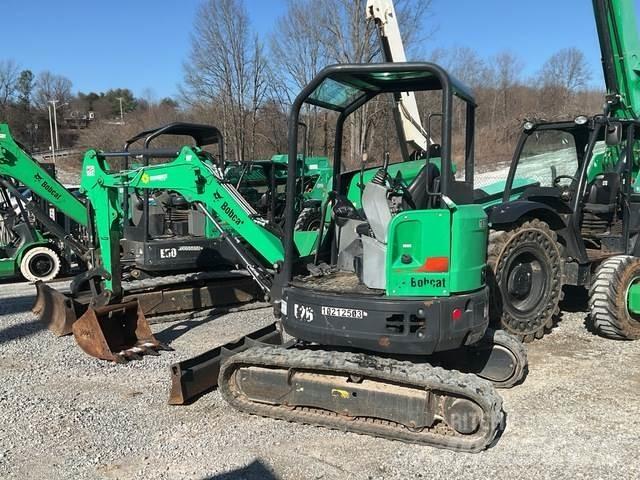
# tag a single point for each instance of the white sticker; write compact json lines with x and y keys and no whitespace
{"x":158,"y":178}
{"x":91,"y":171}
{"x":343,"y":312}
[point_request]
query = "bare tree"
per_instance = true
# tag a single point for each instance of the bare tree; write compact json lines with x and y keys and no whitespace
{"x":52,"y":87}
{"x":337,"y":32}
{"x":507,"y":68}
{"x":226,"y":67}
{"x":9,"y":74}
{"x":562,"y":75}
{"x":567,"y":69}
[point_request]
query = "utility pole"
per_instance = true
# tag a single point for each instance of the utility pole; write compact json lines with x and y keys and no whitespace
{"x":55,"y":121}
{"x":53,"y":148}
{"x":121,"y":112}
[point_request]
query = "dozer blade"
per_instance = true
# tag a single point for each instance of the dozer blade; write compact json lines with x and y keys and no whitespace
{"x":55,"y":309}
{"x":198,"y":375}
{"x":118,"y":332}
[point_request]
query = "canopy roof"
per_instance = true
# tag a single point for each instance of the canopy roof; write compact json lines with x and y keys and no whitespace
{"x":339,"y":87}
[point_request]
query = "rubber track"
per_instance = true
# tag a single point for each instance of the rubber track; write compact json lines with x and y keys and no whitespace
{"x":498,"y":246}
{"x":402,"y":373}
{"x":604,"y":298}
{"x":517,"y":349}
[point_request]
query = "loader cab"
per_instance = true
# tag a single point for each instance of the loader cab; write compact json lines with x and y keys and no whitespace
{"x":578,"y":181}
{"x":397,"y":243}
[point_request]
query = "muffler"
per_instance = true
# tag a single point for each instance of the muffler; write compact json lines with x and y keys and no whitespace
{"x":117,"y":332}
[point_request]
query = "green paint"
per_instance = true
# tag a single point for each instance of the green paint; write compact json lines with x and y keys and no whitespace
{"x":19,"y":165}
{"x":192,"y":175}
{"x":458,"y":234}
{"x":633,"y":298}
{"x":306,"y":242}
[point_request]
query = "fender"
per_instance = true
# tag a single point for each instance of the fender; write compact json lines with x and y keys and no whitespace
{"x":513,"y":212}
{"x":518,"y":210}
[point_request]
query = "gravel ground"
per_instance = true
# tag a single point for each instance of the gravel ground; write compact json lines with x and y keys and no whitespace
{"x":65,"y":415}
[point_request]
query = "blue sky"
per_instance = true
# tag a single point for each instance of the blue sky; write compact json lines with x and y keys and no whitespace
{"x":141,"y":44}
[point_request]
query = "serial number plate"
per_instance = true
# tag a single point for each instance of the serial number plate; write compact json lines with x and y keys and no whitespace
{"x":343,"y":312}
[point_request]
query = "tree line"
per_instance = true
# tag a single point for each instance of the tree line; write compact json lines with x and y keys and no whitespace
{"x":243,"y":83}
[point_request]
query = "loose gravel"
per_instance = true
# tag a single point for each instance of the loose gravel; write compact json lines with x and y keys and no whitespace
{"x":66,"y":415}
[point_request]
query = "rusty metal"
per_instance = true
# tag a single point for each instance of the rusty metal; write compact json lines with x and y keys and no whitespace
{"x":55,"y":309}
{"x":118,"y":332}
{"x":59,"y":311}
{"x":219,"y":293}
{"x":195,"y":376}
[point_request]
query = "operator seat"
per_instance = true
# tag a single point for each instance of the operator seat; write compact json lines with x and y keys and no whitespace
{"x":601,"y":197}
{"x":417,"y":189}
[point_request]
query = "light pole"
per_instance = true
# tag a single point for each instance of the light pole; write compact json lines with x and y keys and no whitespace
{"x":55,"y":119}
{"x":121,"y":112}
{"x":53,"y":148}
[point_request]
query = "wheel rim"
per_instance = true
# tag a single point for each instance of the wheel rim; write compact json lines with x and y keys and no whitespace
{"x":633,"y":316}
{"x":41,"y":265}
{"x":526,"y":281}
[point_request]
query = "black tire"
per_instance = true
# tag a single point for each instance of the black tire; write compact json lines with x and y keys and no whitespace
{"x":525,"y":277}
{"x":308,"y":220}
{"x":40,"y":263}
{"x":608,"y":298}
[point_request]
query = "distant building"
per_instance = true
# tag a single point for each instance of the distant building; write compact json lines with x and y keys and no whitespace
{"x":78,"y":120}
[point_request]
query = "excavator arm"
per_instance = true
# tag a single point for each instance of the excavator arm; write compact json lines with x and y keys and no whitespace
{"x":616,"y":22}
{"x":18,"y":165}
{"x":201,"y":182}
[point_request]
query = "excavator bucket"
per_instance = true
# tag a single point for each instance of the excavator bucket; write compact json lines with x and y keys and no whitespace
{"x":118,"y":332}
{"x":55,"y":309}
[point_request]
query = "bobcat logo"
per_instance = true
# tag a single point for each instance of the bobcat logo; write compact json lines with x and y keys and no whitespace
{"x":37,"y":177}
{"x":217,"y":196}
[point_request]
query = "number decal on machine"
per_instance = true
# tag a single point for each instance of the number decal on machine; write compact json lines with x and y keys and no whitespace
{"x":343,"y":312}
{"x":168,"y":253}
{"x":303,"y":313}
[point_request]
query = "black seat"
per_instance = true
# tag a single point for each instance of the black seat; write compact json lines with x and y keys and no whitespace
{"x":602,"y":193}
{"x":428,"y":175}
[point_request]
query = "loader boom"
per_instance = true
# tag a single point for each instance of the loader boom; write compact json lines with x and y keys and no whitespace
{"x":17,"y":164}
{"x":616,"y":22}
{"x":407,"y":115}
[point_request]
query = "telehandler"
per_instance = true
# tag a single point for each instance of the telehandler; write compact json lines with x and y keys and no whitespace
{"x":580,"y":223}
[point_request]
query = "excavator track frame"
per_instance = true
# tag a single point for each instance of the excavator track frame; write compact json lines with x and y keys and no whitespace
{"x":454,"y":398}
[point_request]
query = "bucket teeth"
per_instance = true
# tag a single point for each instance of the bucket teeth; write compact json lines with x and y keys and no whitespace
{"x":117,"y":332}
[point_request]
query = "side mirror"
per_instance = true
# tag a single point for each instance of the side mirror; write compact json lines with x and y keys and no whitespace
{"x":614,"y":134}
